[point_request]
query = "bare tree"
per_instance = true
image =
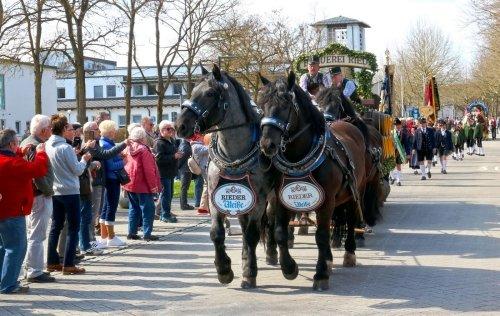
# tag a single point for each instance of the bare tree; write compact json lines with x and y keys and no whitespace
{"x":427,"y":52}
{"x":172,"y":15}
{"x":35,"y":14}
{"x":10,"y":21}
{"x":205,"y":18}
{"x":89,"y":28}
{"x":130,"y":9}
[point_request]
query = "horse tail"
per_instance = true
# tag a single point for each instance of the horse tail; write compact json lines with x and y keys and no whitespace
{"x":371,"y":210}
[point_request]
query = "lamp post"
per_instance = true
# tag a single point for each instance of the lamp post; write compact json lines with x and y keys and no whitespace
{"x":69,"y":115}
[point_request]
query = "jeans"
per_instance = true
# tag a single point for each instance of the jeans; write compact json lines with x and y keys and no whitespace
{"x":65,"y":207}
{"x":97,"y":195}
{"x":12,"y":251}
{"x":141,"y":205}
{"x":85,"y":222}
{"x":37,"y":224}
{"x":111,"y":198}
{"x":166,"y":197}
{"x":198,"y":190}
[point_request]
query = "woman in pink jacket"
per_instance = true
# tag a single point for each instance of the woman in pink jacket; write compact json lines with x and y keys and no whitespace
{"x":144,"y":184}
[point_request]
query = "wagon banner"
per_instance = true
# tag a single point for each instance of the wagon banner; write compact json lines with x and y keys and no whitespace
{"x":302,"y":194}
{"x":328,"y":61}
{"x":234,"y":196}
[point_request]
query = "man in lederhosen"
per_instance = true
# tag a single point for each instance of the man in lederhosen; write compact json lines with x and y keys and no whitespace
{"x":404,"y":141}
{"x":424,"y":146}
{"x":314,"y":80}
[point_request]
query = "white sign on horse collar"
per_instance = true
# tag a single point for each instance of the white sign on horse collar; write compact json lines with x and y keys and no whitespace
{"x":234,"y":196}
{"x":301,"y":194}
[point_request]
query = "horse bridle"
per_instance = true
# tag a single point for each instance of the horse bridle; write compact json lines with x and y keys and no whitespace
{"x":284,"y":126}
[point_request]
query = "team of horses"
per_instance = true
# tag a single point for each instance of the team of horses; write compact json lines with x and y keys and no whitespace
{"x":286,"y":137}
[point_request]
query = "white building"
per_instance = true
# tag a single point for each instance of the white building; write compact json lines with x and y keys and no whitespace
{"x":105,"y":91}
{"x":346,"y":31}
{"x":17,"y":94}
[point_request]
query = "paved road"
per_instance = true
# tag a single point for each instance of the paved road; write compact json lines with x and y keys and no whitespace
{"x":436,"y":252}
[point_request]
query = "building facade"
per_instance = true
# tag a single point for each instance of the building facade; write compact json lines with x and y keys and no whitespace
{"x":105,"y":91}
{"x":17,"y":94}
{"x":346,"y":31}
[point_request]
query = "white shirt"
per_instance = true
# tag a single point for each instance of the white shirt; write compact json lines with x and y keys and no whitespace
{"x":349,"y":89}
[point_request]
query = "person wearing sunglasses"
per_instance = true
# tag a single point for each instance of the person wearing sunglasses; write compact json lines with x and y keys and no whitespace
{"x":167,"y":155}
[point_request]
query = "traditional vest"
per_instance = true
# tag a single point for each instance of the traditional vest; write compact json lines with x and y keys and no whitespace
{"x":315,"y":80}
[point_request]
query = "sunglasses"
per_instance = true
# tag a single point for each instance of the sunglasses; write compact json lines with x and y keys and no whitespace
{"x":170,"y":129}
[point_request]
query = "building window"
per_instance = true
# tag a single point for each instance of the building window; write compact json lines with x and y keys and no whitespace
{"x":18,"y":127}
{"x":98,"y":92}
{"x":174,"y":116}
{"x":138,"y":90}
{"x":28,"y":124}
{"x":111,"y":91}
{"x":151,"y":89}
{"x":164,"y":117}
{"x":61,"y":93}
{"x":121,"y":120}
{"x":177,"y":88}
{"x":136,"y":118}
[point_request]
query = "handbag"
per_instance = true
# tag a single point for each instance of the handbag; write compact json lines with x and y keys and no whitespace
{"x":122,"y":176}
{"x":193,"y":166}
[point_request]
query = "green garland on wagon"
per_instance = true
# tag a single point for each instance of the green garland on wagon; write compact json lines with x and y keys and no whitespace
{"x":388,"y":165}
{"x":363,"y":78}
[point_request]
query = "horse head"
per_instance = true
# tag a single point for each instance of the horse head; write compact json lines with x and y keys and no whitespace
{"x":207,"y":106}
{"x":330,"y":102}
{"x":277,"y":102}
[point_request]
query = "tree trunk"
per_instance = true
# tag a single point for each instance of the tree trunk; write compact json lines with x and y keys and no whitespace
{"x":159,"y":104}
{"x":81,"y":103}
{"x":189,"y":88}
{"x":128,"y":84}
{"x":38,"y":86}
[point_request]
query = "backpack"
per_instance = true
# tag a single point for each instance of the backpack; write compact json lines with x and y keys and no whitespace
{"x":193,"y":166}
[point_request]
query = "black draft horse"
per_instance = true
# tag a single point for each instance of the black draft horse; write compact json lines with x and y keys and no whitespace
{"x":290,"y":126}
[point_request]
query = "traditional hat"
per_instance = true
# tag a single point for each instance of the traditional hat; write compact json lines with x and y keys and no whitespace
{"x":335,"y":70}
{"x":76,"y":125}
{"x":397,"y":121}
{"x":314,"y":60}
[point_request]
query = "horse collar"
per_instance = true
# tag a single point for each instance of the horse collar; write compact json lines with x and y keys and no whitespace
{"x":235,"y":167}
{"x":309,"y":163}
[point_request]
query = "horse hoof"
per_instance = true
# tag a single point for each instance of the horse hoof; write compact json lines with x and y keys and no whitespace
{"x":272,"y":260}
{"x":249,"y":283}
{"x":336,"y":243}
{"x":349,"y":260}
{"x":329,"y":265}
{"x":293,"y":275}
{"x":226,"y":278}
{"x":321,"y":285}
{"x":290,"y":243}
{"x":303,"y":231}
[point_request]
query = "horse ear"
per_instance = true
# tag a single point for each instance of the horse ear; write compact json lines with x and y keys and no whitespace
{"x":204,"y":71}
{"x":216,"y":72}
{"x":291,"y":80}
{"x":264,"y":80}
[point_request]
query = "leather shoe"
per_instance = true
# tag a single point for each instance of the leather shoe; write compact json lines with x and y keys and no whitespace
{"x":54,"y":267}
{"x":151,"y":238}
{"x":72,"y":270}
{"x":187,"y":207}
{"x":133,"y":237}
{"x":42,"y":278}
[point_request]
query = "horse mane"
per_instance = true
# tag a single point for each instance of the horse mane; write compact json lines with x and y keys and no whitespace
{"x":244,"y":99}
{"x":328,"y":96}
{"x":311,"y":112}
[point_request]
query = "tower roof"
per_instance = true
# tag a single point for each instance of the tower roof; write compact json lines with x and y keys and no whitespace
{"x":340,"y":21}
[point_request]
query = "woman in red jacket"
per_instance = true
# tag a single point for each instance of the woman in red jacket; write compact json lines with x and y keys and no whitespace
{"x":16,"y":200}
{"x":144,"y":183}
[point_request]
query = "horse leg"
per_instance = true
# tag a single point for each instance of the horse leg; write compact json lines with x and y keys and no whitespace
{"x":339,"y":222}
{"x":251,"y":237}
{"x":271,"y":245}
{"x":289,"y":267}
{"x":222,"y":261}
{"x":324,"y":264}
{"x":350,"y":242}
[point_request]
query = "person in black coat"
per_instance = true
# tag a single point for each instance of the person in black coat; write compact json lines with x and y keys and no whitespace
{"x":424,"y":147}
{"x":185,"y":174}
{"x":444,"y":144}
{"x":167,"y":156}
